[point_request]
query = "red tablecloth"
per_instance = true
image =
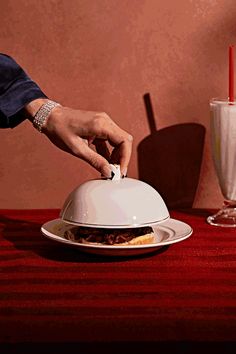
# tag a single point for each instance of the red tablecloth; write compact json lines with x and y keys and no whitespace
{"x":53,"y":294}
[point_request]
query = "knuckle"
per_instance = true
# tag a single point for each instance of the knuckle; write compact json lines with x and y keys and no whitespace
{"x":104,"y":115}
{"x":100,"y":121}
{"x":130,"y":138}
{"x":95,"y":163}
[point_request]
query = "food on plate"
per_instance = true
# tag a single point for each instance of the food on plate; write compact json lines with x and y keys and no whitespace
{"x":116,"y":237}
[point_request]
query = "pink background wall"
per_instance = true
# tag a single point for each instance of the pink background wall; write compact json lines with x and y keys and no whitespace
{"x":104,"y":55}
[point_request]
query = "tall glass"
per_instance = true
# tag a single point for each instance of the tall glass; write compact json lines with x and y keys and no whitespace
{"x":223,"y":145}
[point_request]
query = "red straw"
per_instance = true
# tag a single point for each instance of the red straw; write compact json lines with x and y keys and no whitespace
{"x":231,"y":73}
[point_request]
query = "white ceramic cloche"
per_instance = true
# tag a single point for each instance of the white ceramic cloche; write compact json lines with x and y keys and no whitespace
{"x":116,"y":203}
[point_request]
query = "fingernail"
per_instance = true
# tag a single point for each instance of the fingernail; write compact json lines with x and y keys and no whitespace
{"x":124,"y":172}
{"x":107,"y":173}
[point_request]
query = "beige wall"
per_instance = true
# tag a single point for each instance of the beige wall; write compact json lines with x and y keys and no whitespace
{"x":104,"y":55}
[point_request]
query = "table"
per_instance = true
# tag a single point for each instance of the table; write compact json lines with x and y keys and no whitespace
{"x":181,"y":297}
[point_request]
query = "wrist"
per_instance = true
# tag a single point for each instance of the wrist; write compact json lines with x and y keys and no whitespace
{"x":53,"y":119}
{"x":38,"y":112}
{"x":32,"y":107}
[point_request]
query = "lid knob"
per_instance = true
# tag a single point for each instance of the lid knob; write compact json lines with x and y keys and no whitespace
{"x":116,"y":172}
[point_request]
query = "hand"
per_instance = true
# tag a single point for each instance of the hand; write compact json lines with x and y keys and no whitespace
{"x":77,"y":132}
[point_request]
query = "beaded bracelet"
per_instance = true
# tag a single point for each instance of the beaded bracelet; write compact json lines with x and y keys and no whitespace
{"x":43,"y":113}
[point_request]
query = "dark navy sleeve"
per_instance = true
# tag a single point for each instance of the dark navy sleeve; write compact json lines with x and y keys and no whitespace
{"x":16,"y":90}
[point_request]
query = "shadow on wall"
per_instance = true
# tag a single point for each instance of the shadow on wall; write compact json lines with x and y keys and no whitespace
{"x":170,"y":159}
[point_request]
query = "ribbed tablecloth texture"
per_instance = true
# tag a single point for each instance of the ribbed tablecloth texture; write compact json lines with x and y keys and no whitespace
{"x":51,"y":293}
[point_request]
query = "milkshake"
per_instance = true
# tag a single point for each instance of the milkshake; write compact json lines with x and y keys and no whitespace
{"x":223,"y":144}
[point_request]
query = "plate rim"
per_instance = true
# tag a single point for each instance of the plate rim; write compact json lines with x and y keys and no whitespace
{"x":60,"y":239}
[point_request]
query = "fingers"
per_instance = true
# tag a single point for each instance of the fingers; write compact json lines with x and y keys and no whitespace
{"x":116,"y":158}
{"x":117,"y":137}
{"x":123,"y":144}
{"x":77,"y":130}
{"x":83,"y":151}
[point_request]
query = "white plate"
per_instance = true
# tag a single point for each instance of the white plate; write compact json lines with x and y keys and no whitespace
{"x":166,"y":233}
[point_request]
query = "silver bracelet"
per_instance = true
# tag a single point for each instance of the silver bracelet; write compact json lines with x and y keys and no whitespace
{"x":42,"y":114}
